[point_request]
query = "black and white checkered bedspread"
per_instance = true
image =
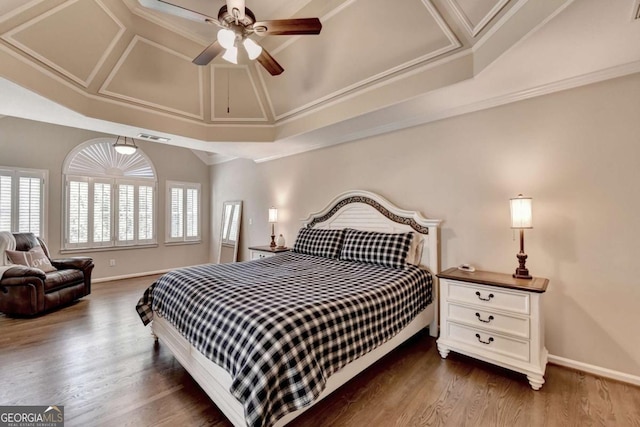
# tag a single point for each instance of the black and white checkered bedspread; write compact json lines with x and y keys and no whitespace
{"x":282,"y":325}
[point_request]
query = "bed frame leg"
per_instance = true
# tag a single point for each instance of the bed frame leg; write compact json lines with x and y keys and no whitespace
{"x":433,"y":328}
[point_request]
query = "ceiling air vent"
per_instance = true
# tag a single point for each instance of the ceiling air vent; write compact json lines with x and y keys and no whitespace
{"x":153,"y":137}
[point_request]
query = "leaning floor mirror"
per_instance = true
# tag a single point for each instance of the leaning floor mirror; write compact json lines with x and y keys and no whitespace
{"x":230,"y":231}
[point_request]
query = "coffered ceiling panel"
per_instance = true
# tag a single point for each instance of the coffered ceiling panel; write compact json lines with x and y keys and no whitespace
{"x":124,"y":66}
{"x":151,"y":74}
{"x":10,"y":8}
{"x":476,"y":14}
{"x":388,"y":38}
{"x":235,"y":95}
{"x":52,"y":40}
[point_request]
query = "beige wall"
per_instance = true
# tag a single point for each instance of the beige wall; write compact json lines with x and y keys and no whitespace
{"x":576,"y":153}
{"x":36,"y":145}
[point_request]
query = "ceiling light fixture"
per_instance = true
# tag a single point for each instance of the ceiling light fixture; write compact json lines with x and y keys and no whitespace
{"x":229,"y":40}
{"x":125,"y":147}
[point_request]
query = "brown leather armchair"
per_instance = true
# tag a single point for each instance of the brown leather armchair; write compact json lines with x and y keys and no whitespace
{"x":27,"y":291}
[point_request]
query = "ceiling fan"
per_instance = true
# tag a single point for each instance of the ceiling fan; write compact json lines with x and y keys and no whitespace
{"x":237,"y":23}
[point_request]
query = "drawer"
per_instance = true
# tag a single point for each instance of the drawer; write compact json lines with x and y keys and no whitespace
{"x":477,"y":317}
{"x":260,"y":255}
{"x":489,"y":342}
{"x":489,"y":297}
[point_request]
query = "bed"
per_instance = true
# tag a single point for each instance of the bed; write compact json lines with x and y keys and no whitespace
{"x":267,"y":339}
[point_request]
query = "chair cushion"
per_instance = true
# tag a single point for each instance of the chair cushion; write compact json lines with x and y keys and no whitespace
{"x":62,"y":278}
{"x":25,"y":241}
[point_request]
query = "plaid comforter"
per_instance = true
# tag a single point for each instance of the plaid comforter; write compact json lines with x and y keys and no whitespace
{"x":280,"y":326}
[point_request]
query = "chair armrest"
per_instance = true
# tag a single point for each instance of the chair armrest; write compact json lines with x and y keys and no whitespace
{"x":22,"y":271}
{"x":77,"y":263}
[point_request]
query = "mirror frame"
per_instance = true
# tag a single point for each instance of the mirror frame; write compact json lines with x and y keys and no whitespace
{"x":238,"y":206}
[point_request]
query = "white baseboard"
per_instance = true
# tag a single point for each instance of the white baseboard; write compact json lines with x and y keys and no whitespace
{"x":595,"y":370}
{"x":131,"y":276}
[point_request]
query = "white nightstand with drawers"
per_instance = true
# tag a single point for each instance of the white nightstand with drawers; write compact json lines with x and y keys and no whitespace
{"x":257,"y":252}
{"x":495,"y":318}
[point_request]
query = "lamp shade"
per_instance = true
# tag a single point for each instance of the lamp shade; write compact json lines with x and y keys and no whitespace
{"x":273,"y":215}
{"x":123,"y":146}
{"x":253,"y":49}
{"x":231,"y":55}
{"x":226,"y":38}
{"x":521,"y":212}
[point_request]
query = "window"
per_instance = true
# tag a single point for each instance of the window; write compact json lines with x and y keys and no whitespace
{"x":110,"y":198}
{"x":183,"y":211}
{"x":22,"y":200}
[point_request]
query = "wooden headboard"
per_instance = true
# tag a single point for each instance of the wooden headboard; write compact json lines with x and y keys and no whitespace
{"x":364,"y":210}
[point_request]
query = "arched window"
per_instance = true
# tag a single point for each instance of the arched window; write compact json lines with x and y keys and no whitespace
{"x":110,"y":198}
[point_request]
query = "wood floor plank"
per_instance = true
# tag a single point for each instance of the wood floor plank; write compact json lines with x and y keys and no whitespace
{"x":96,"y":358}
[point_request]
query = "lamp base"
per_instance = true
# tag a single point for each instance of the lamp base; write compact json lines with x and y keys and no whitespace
{"x":522,"y":275}
{"x":522,"y":272}
{"x":273,"y":241}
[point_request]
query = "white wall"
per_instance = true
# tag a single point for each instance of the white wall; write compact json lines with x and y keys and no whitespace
{"x":577,"y":153}
{"x":29,"y":144}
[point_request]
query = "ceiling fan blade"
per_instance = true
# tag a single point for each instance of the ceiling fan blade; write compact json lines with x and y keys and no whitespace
{"x":288,"y":26}
{"x":208,"y":54}
{"x":238,"y":5}
{"x":269,"y":63}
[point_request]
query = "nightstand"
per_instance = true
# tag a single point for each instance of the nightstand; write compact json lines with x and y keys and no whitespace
{"x":495,"y":318}
{"x":257,"y":252}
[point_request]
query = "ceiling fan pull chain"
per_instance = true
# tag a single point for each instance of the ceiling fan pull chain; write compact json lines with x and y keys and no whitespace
{"x":228,"y":90}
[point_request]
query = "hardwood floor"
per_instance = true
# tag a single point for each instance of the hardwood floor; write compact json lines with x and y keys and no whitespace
{"x":96,"y":358}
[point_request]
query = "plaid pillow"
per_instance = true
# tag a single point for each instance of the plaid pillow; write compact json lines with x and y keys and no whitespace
{"x":385,"y":249}
{"x":325,"y":243}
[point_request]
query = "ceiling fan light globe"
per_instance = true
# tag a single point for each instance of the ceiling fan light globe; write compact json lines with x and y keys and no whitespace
{"x":253,"y":49}
{"x":231,"y":55}
{"x":226,"y":38}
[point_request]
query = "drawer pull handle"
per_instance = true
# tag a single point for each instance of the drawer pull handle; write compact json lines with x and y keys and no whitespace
{"x":484,"y":342}
{"x":484,"y":299}
{"x":482,"y":320}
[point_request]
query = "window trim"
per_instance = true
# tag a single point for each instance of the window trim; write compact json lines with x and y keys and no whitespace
{"x":44,"y":196}
{"x":185,"y":186}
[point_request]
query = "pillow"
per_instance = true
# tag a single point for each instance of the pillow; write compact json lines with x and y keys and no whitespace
{"x":35,"y":258}
{"x":415,"y":250}
{"x":385,"y":249}
{"x":324,"y":243}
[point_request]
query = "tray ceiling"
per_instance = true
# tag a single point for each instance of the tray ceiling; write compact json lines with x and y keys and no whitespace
{"x":128,"y":62}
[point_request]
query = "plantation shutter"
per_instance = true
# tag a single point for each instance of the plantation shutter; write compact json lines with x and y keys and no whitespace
{"x":5,"y":203}
{"x":126,"y":214}
{"x":145,"y":212}
{"x":192,"y":230}
{"x":101,"y":212}
{"x":177,"y":214}
{"x":29,"y":205}
{"x":78,"y":212}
